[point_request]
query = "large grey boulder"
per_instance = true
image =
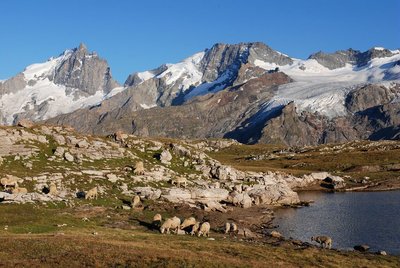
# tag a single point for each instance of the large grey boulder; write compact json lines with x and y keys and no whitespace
{"x":148,"y":192}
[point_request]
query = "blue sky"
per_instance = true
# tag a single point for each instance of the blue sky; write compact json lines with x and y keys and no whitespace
{"x":140,"y":35}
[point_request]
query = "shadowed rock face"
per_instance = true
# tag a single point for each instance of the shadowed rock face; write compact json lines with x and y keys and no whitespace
{"x":211,"y":115}
{"x":339,"y":58}
{"x":373,"y":116}
{"x":85,"y":71}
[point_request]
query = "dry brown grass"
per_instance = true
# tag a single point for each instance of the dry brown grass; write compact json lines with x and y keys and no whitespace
{"x":346,"y":162}
{"x":117,"y":248}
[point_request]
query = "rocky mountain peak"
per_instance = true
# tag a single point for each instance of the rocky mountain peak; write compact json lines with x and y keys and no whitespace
{"x":82,"y":47}
{"x":357,"y":58}
{"x":84,"y":71}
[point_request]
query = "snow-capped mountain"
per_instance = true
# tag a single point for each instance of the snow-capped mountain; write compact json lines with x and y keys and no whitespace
{"x":71,"y":81}
{"x":246,"y":91}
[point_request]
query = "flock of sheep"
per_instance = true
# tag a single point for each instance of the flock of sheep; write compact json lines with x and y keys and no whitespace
{"x":189,"y":226}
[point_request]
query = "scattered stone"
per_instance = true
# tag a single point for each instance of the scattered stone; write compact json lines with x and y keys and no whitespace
{"x":382,"y":252}
{"x":361,"y":248}
{"x":59,"y":152}
{"x":25,"y":123}
{"x":82,"y":144}
{"x":112,"y":177}
{"x":165,"y":157}
{"x":69,"y":157}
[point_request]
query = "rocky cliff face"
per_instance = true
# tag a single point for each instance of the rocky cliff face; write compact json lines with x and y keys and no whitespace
{"x":75,"y":79}
{"x":84,"y":71}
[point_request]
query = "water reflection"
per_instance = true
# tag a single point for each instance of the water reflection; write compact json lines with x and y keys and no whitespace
{"x":371,"y":218}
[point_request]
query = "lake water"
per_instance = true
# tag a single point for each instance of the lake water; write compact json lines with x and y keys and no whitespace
{"x":351,"y":218}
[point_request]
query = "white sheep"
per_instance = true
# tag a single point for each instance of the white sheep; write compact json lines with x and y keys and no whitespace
{"x":324,"y":241}
{"x":157,"y":218}
{"x":53,"y":189}
{"x":231,"y":228}
{"x":19,"y":190}
{"x":178,"y":181}
{"x":139,"y":168}
{"x":195,"y":228}
{"x":135,"y":201}
{"x":170,"y":224}
{"x":227,"y":227}
{"x":188,"y":222}
{"x":91,"y":194}
{"x":204,"y":229}
{"x":10,"y":181}
{"x":234,"y":228}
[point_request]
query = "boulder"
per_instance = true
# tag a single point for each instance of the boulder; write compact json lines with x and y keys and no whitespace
{"x":59,"y":152}
{"x":82,"y":144}
{"x":147,"y":192}
{"x":273,"y":194}
{"x":165,"y":157}
{"x":180,"y":150}
{"x":112,"y":178}
{"x":59,"y":139}
{"x":361,"y":248}
{"x":25,"y":123}
{"x":177,"y":195}
{"x":69,"y":157}
{"x":240,"y":199}
{"x":207,"y":195}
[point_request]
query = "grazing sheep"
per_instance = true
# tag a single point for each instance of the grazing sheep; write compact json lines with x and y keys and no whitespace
{"x":324,"y":241}
{"x":139,"y":168}
{"x":231,"y":228}
{"x":53,"y":189}
{"x":276,"y":234}
{"x":178,"y":181}
{"x":204,"y":229}
{"x":135,"y":201}
{"x":170,"y":223}
{"x":91,"y":194}
{"x":19,"y":190}
{"x":10,"y":181}
{"x":234,"y":228}
{"x":157,"y":217}
{"x":188,"y":222}
{"x":195,"y":228}
{"x":156,"y":221}
{"x":227,"y":227}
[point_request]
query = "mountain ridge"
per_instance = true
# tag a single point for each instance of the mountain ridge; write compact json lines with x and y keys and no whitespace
{"x":320,"y":84}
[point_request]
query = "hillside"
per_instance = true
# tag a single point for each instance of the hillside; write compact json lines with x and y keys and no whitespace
{"x":49,"y":227}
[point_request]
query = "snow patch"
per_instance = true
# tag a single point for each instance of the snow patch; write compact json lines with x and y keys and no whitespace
{"x":188,"y":70}
{"x":145,"y":106}
{"x":42,"y":70}
{"x":212,"y":87}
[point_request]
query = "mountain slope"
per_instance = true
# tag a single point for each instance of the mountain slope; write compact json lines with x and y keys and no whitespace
{"x":74,"y":80}
{"x":249,"y":92}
